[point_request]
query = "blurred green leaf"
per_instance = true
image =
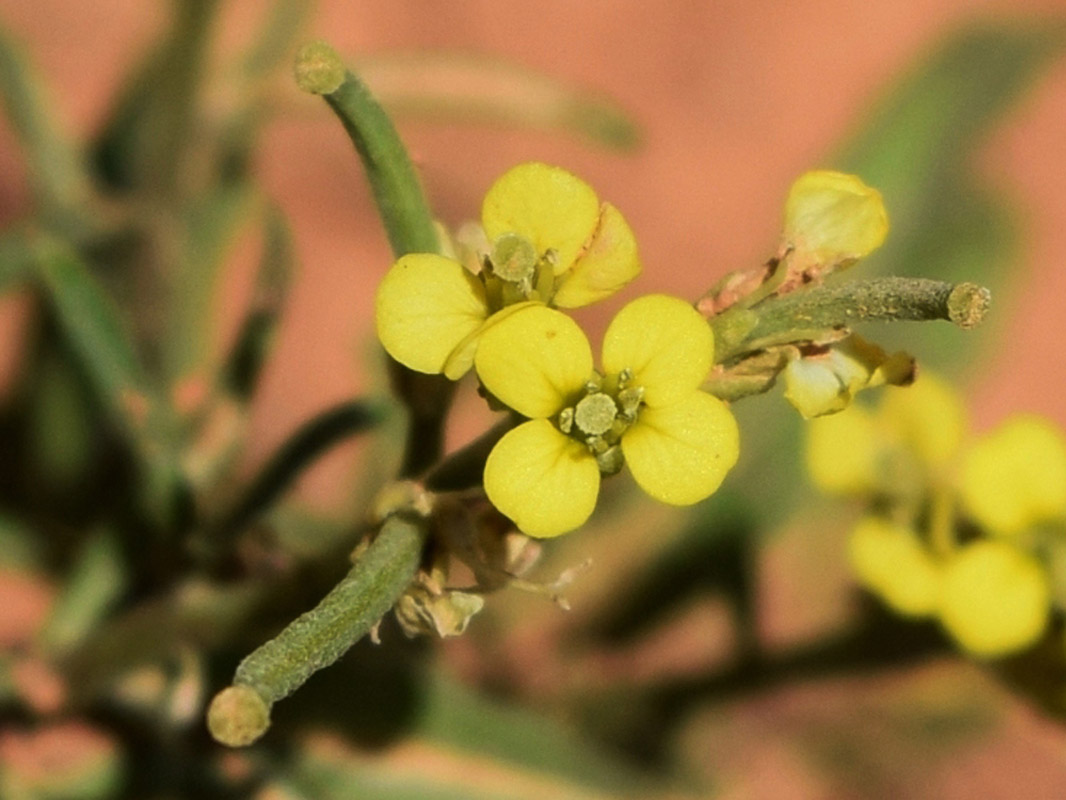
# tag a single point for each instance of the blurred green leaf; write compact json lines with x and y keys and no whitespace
{"x":240,"y":374}
{"x":97,"y":334}
{"x":57,"y":172}
{"x":16,"y":260}
{"x":273,"y":43}
{"x":95,"y":582}
{"x":96,"y":331}
{"x":458,"y":717}
{"x":212,"y":226}
{"x":478,"y":88}
{"x":918,"y":148}
{"x":302,"y":448}
{"x":20,"y":549}
{"x":270,"y":50}
{"x":61,"y":425}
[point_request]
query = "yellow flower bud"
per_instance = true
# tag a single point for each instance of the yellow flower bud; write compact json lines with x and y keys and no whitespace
{"x":833,"y":218}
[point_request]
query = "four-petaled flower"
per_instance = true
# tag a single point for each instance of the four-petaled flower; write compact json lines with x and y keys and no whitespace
{"x":644,"y":409}
{"x":552,"y":242}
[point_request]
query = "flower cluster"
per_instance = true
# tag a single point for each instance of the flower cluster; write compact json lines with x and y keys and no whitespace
{"x":551,"y":245}
{"x":970,"y":532}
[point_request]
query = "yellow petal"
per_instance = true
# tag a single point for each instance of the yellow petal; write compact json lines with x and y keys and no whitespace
{"x":545,"y":482}
{"x":461,"y":359}
{"x":425,"y":306}
{"x":890,"y":561}
{"x":834,"y":217}
{"x":680,"y":453}
{"x":608,"y":263}
{"x":546,"y":205}
{"x":535,"y":361}
{"x":995,"y":599}
{"x":665,"y":342}
{"x":843,"y":451}
{"x":1015,"y":477}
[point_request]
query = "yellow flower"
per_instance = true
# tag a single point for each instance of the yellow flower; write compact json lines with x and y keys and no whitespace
{"x":833,"y":219}
{"x":1015,"y":477}
{"x":551,"y":241}
{"x":995,"y":599}
{"x":644,"y":409}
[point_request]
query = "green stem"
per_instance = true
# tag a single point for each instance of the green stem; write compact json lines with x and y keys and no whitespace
{"x":464,"y":468}
{"x":407,"y":220}
{"x":809,"y":313}
{"x":397,"y":192}
{"x":240,"y":714}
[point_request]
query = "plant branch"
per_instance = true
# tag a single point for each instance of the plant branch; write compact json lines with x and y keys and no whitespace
{"x":240,"y":714}
{"x":810,"y":313}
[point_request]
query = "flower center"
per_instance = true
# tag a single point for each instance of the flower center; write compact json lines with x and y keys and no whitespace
{"x":595,"y":413}
{"x":515,"y":272}
{"x":513,"y":258}
{"x":600,"y":418}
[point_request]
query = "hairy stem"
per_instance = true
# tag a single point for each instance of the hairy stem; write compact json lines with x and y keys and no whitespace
{"x":240,"y":714}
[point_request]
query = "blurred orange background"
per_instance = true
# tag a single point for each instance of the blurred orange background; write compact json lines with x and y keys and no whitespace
{"x":735,"y":100}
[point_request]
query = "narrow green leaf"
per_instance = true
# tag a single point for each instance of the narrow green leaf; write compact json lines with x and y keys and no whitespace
{"x":98,"y":335}
{"x":212,"y":226}
{"x":95,"y":329}
{"x":245,"y":362}
{"x":16,"y":260}
{"x":918,"y":148}
{"x":481,"y":89}
{"x":284,"y":21}
{"x":454,"y":715}
{"x":96,"y":581}
{"x":57,"y":171}
{"x":408,"y":223}
{"x":301,"y":449}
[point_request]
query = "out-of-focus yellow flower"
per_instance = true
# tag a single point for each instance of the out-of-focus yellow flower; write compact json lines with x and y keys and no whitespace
{"x":833,"y":219}
{"x":551,"y":241}
{"x":841,"y":451}
{"x":889,"y":560}
{"x":645,"y":409}
{"x":994,"y":599}
{"x":1014,"y":478}
{"x":915,"y":430}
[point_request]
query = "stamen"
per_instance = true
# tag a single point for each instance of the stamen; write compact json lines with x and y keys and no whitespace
{"x":566,"y":420}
